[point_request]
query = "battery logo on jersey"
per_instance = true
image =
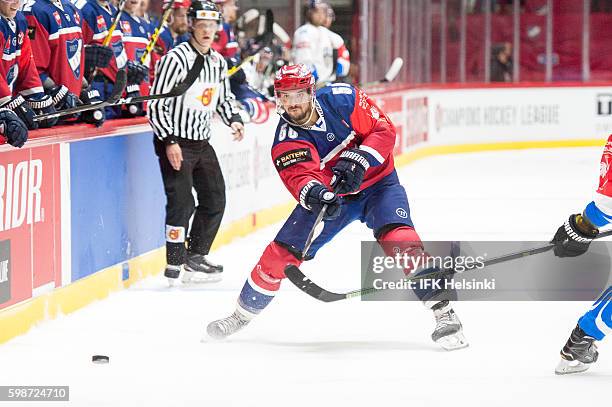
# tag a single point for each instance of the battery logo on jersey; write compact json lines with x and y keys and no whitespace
{"x":101,"y":23}
{"x":207,"y":96}
{"x":292,"y":157}
{"x":126,"y":27}
{"x":58,"y":19}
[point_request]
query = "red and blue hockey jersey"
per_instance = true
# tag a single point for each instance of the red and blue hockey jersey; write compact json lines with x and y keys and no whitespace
{"x":225,"y":42}
{"x":136,"y":36}
{"x":18,"y":72}
{"x":96,"y":22}
{"x":348,"y":118}
{"x":54,"y":28}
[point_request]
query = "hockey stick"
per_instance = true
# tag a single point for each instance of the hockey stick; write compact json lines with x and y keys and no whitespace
{"x":177,"y":90}
{"x":109,"y":36}
{"x":118,"y":88}
{"x":158,"y":30}
{"x":391,"y":74}
{"x":299,"y":279}
{"x":264,"y":40}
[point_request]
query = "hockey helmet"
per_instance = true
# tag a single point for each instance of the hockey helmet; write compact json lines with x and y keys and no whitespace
{"x":178,"y":4}
{"x":204,"y":10}
{"x":294,"y":77}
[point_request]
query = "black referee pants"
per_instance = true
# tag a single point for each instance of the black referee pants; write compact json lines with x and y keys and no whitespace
{"x":200,"y":170}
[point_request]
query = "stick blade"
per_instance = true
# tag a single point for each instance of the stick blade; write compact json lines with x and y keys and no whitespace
{"x":394,"y":69}
{"x":118,"y":87}
{"x":295,"y":275}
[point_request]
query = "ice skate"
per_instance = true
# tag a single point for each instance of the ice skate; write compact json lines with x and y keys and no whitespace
{"x":449,"y":331}
{"x":222,"y":328}
{"x":578,"y":354}
{"x":198,"y":269}
{"x":172,"y":274}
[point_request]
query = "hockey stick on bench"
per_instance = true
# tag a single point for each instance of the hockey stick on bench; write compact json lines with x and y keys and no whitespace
{"x":299,"y":279}
{"x":178,"y":90}
{"x":118,"y":88}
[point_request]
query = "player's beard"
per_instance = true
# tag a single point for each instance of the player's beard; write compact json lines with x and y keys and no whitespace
{"x":301,"y":116}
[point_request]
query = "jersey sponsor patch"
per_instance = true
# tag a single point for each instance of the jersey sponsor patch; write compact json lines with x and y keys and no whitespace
{"x":292,"y":157}
{"x":126,"y":27}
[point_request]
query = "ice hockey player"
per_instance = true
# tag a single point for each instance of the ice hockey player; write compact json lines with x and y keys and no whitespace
{"x":341,"y":55}
{"x":573,"y":239}
{"x":12,"y":128}
{"x":187,"y":160}
{"x":54,"y":28}
{"x":336,"y":139}
{"x":225,"y":41}
{"x":20,"y":88}
{"x":136,"y":36}
{"x":312,"y":45}
{"x":177,"y":30}
{"x":98,"y":16}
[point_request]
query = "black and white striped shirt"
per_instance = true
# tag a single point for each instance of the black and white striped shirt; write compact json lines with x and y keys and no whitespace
{"x":188,"y":116}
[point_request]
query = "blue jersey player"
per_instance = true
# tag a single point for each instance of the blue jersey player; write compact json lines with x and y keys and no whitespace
{"x":573,"y":239}
{"x":334,"y":148}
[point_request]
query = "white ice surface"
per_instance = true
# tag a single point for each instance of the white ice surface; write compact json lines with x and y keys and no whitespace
{"x":301,"y":352}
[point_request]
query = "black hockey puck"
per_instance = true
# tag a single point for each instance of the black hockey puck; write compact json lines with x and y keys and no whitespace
{"x":100,"y":359}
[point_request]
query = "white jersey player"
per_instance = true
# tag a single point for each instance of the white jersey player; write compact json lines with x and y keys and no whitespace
{"x":312,"y":45}
{"x":341,"y":53}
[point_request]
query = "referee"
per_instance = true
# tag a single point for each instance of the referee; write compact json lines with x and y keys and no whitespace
{"x":182,"y":130}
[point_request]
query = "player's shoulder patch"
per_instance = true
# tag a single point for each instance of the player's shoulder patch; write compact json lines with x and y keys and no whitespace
{"x":339,"y":97}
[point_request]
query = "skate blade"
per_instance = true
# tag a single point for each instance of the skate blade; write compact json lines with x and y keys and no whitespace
{"x":200,"y":278}
{"x":570,"y":366}
{"x":453,"y":342}
{"x":171,"y":282}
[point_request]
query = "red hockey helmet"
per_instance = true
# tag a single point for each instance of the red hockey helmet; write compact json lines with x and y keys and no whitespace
{"x":294,"y":77}
{"x":178,"y":4}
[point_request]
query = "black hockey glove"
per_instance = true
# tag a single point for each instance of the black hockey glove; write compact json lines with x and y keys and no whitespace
{"x":19,"y":106}
{"x":12,"y":128}
{"x":136,"y":73}
{"x":96,"y":56}
{"x":63,"y":99}
{"x":349,"y":171}
{"x":574,"y":236}
{"x":97,"y":116}
{"x":133,"y":109}
{"x":41,"y":105}
{"x":314,"y":195}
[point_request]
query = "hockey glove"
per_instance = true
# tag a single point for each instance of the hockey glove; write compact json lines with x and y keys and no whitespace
{"x":41,"y":105}
{"x":63,"y":99}
{"x":133,"y":109}
{"x":574,"y":236}
{"x":12,"y":128}
{"x":97,"y":116}
{"x":96,"y":56}
{"x":314,"y":195}
{"x":349,"y":171}
{"x":19,"y":106}
{"x":136,"y":73}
